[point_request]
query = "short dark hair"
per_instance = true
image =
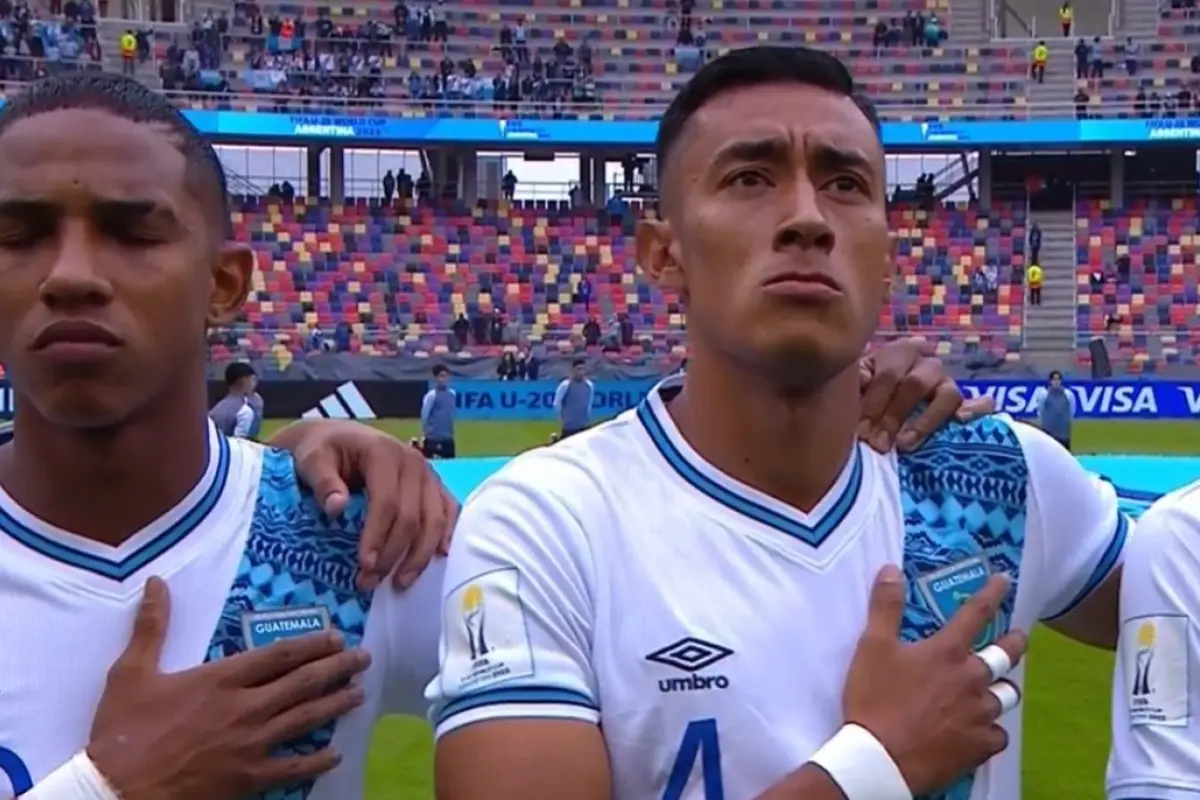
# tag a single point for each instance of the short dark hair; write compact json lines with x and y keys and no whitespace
{"x":754,"y":66}
{"x":1056,"y":374}
{"x":125,"y":97}
{"x":579,"y":362}
{"x":236,"y":371}
{"x":440,"y":369}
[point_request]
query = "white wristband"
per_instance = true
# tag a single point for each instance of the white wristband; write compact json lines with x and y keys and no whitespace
{"x":861,"y":766}
{"x":78,"y":779}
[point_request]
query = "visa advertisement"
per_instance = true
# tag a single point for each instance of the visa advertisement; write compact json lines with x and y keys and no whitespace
{"x":534,"y":400}
{"x":368,"y":131}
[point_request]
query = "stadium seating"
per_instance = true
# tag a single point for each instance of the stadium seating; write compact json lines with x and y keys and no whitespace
{"x":1163,"y":68}
{"x":1155,"y":306}
{"x":633,"y":46}
{"x":398,"y":277}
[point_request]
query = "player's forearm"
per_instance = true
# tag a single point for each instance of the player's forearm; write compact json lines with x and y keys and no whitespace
{"x":810,"y":782}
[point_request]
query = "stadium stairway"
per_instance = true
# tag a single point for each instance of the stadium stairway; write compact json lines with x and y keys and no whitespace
{"x":1139,"y":19}
{"x":1050,"y":327}
{"x":968,"y":22}
{"x":1047,"y":99}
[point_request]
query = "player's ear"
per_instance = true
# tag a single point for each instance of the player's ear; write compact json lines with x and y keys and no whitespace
{"x":231,"y":274}
{"x":658,"y":255}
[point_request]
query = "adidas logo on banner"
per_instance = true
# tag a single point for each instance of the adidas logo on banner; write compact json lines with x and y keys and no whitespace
{"x":345,"y":403}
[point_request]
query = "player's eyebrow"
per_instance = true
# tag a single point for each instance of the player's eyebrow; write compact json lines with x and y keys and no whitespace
{"x":828,"y":157}
{"x":774,"y":149}
{"x":110,"y":209}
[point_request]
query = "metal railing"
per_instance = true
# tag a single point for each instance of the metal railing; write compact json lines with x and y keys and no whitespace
{"x":892,"y":109}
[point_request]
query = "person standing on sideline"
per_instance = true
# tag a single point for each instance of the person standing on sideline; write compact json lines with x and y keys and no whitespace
{"x":255,"y":401}
{"x":437,"y":416}
{"x":1057,"y":410}
{"x":234,"y":414}
{"x":573,"y":401}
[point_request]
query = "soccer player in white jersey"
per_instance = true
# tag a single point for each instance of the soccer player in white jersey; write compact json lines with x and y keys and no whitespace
{"x":667,"y":606}
{"x":1156,"y":692}
{"x":113,"y":260}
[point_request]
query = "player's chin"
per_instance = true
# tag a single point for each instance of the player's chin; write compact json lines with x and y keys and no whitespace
{"x":81,"y":405}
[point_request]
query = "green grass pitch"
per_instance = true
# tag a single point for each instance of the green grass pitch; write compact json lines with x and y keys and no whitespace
{"x":1067,"y":689}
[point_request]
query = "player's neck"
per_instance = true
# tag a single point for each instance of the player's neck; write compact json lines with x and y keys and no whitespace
{"x":792,"y":449}
{"x":106,"y":485}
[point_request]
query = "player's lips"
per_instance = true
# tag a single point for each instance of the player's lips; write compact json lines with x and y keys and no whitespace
{"x":803,"y":286}
{"x":76,"y":340}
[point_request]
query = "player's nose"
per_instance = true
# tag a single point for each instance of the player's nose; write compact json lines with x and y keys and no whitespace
{"x":75,"y":277}
{"x":805,"y":225}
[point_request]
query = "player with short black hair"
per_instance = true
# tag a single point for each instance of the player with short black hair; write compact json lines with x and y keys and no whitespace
{"x":136,"y":102}
{"x":113,"y":263}
{"x":724,"y":593}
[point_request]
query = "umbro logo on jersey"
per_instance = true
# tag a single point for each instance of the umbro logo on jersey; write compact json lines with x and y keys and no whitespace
{"x":691,"y":655}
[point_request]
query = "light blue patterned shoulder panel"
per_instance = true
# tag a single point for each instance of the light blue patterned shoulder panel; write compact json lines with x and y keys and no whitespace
{"x":299,"y":563}
{"x":963,"y":495}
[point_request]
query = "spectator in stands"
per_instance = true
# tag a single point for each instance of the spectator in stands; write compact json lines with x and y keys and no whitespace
{"x":933,"y":31}
{"x":128,"y":52}
{"x":914,"y":28}
{"x":1035,"y":243}
{"x":584,"y":294}
{"x":437,"y":416}
{"x":1133,"y":54}
{"x":496,"y":328}
{"x":389,"y":187}
{"x":879,"y":36}
{"x":1056,"y":411}
{"x":506,"y":370}
{"x":316,"y":339}
{"x":1081,"y":100}
{"x":1066,"y":18}
{"x":437,"y":14}
{"x":508,"y":186}
{"x":1140,"y":102}
{"x":591,"y":332}
{"x":1096,"y":59}
{"x":461,"y":329}
{"x":1081,"y":59}
{"x":625,"y":329}
{"x":1035,"y":277}
{"x":520,"y":42}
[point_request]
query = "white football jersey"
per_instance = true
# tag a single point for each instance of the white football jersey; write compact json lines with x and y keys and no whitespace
{"x":1156,"y":739}
{"x":618,"y":578}
{"x":249,"y":559}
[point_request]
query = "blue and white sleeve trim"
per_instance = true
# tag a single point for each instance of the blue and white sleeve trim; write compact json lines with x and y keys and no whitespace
{"x":526,"y":702}
{"x":1109,"y":561}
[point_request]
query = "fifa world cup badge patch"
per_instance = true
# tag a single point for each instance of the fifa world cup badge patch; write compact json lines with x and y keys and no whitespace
{"x":945,"y":590}
{"x":263,"y":628}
